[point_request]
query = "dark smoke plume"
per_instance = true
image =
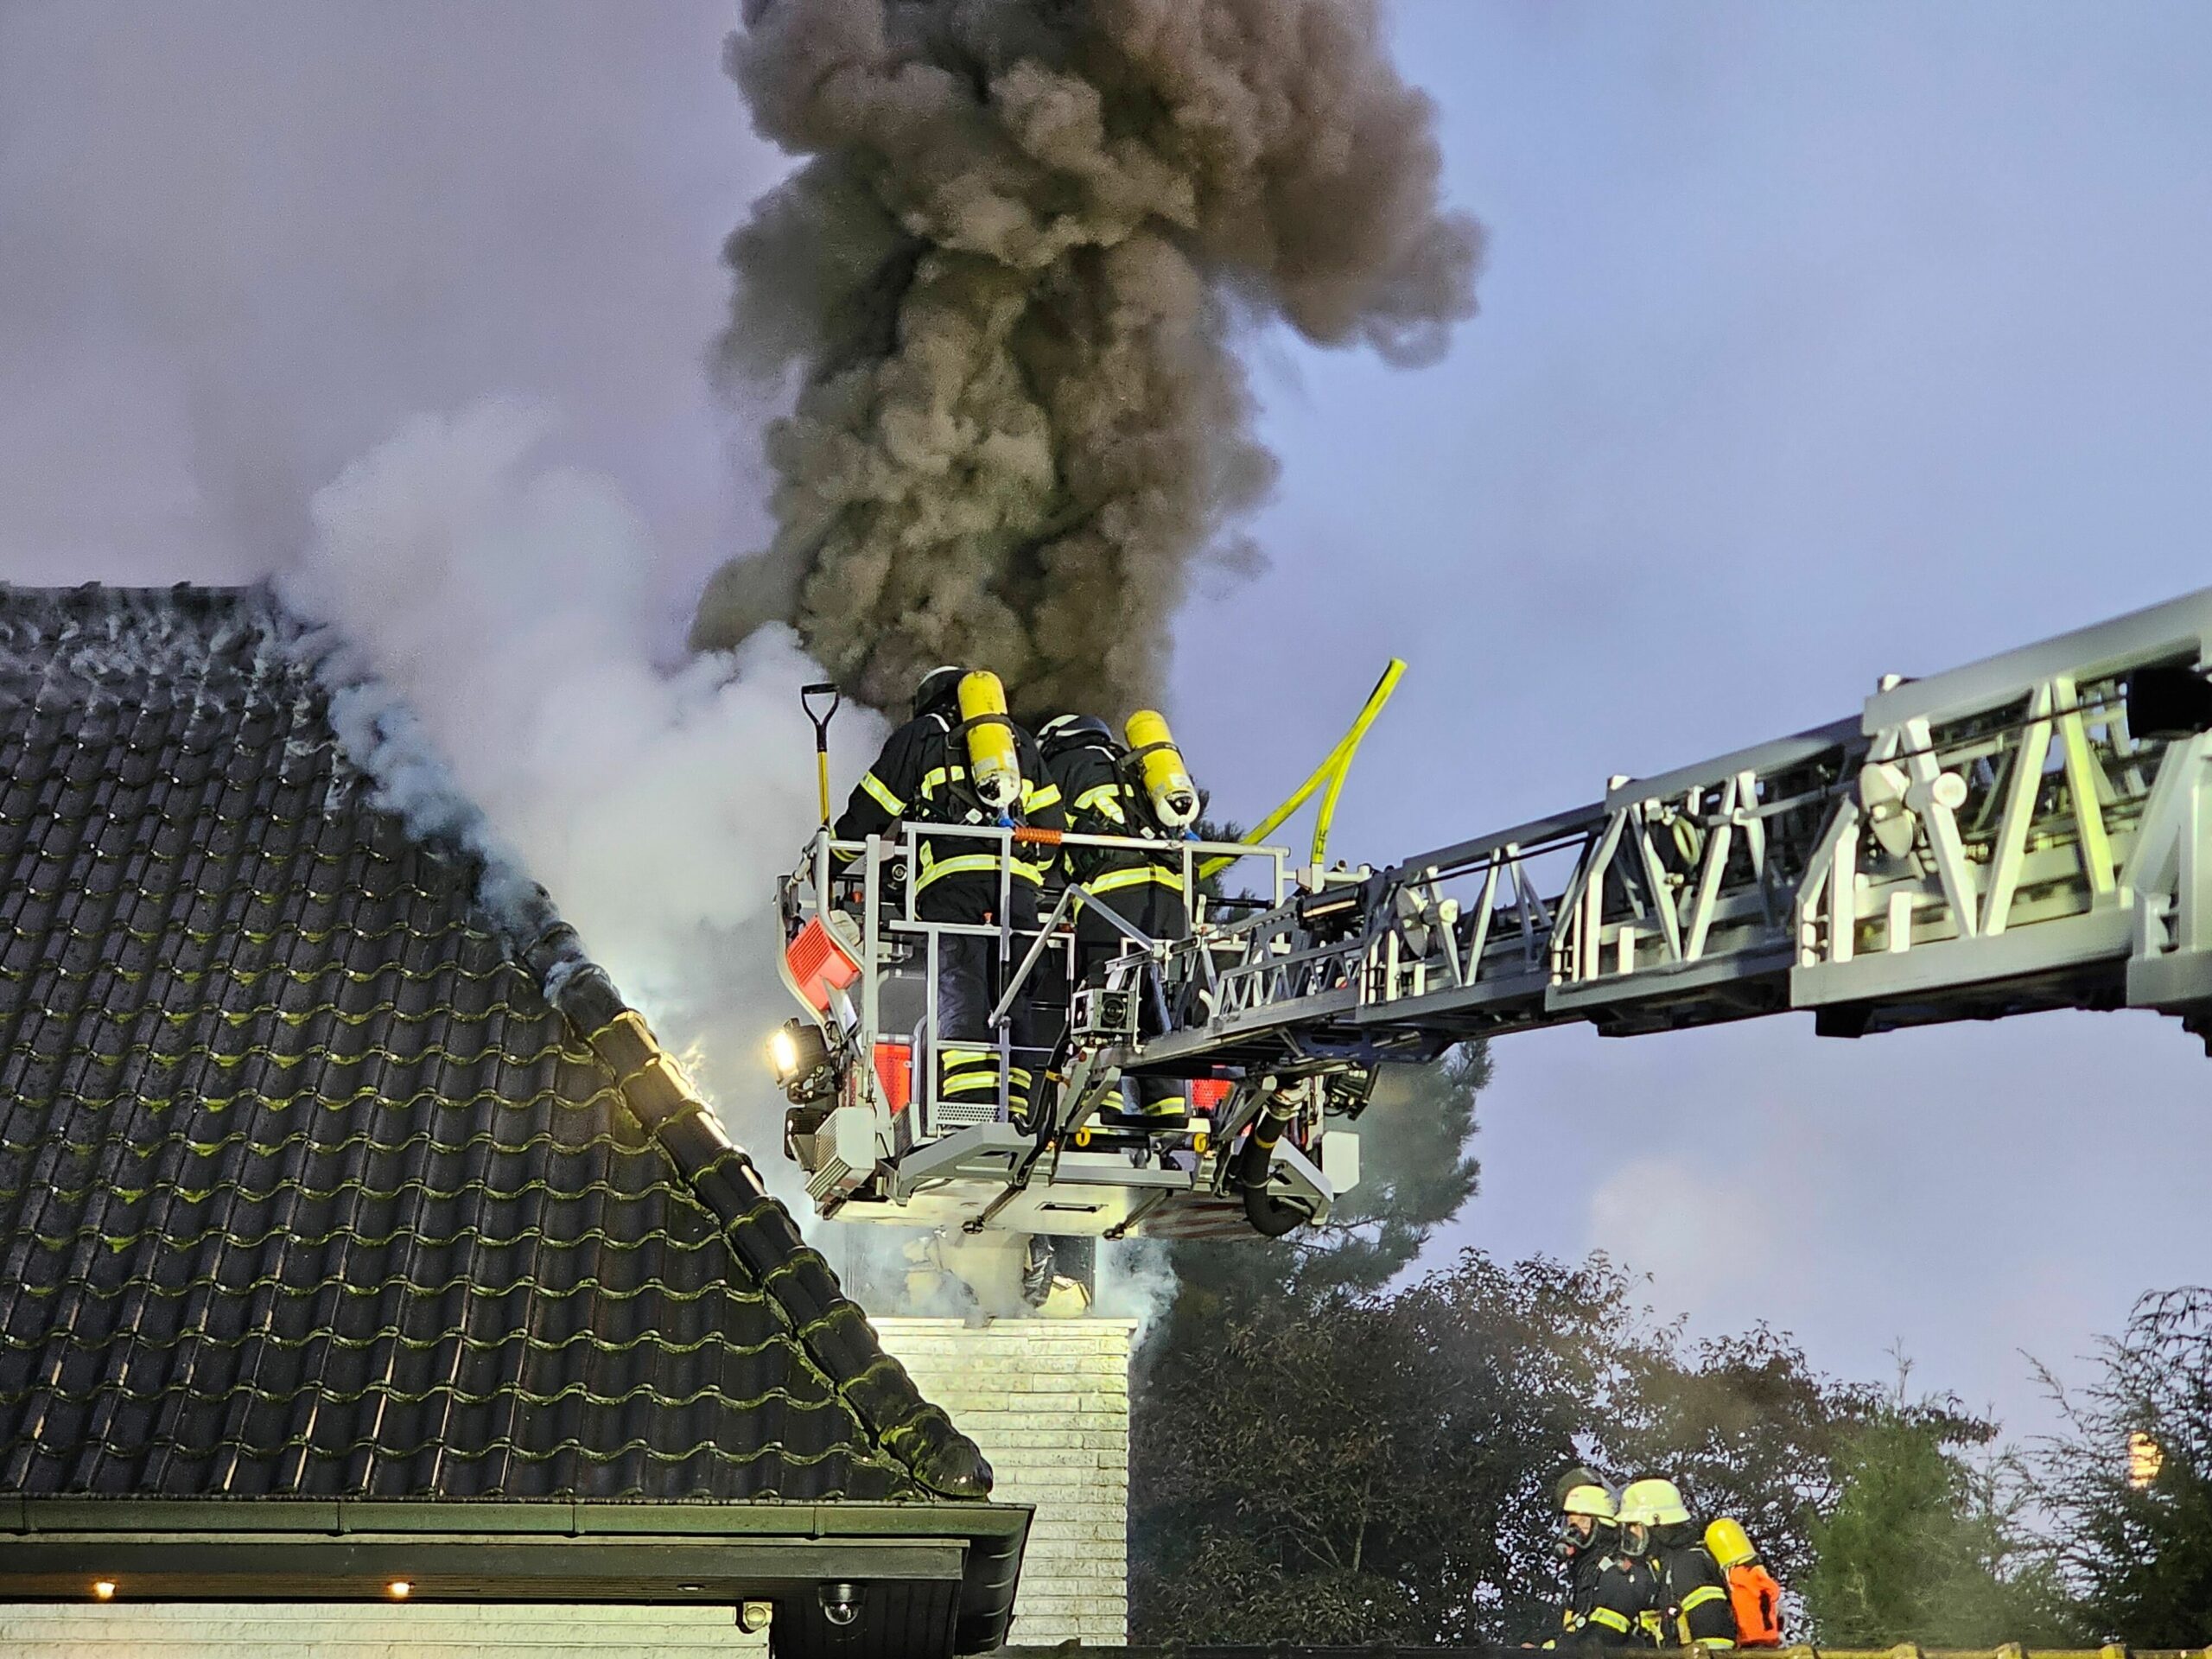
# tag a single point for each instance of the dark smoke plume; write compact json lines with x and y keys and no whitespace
{"x":1008,"y":273}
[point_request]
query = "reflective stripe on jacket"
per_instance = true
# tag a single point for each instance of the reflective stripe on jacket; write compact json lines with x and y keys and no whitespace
{"x":1607,"y":1595}
{"x":921,"y":776}
{"x":1102,"y":802}
{"x":1695,"y":1591}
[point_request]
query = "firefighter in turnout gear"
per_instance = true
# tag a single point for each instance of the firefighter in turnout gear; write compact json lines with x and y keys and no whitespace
{"x":1104,"y":795}
{"x":1689,"y":1591}
{"x":1753,"y":1591}
{"x":932,"y":773}
{"x":1606,"y":1593}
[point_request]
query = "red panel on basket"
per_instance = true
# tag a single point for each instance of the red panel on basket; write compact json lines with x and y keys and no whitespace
{"x":894,"y":1070}
{"x":820,"y":964}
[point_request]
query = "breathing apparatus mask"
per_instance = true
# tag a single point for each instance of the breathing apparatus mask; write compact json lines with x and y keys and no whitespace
{"x":1578,"y":1533}
{"x":1587,"y":1516}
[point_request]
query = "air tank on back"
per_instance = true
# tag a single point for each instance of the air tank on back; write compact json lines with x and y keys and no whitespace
{"x":994,"y":762}
{"x":1165,"y":778}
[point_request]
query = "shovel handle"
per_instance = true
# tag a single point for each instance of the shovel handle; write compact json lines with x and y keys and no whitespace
{"x":821,"y":720}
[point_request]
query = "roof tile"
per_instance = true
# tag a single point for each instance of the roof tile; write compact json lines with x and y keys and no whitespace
{"x":304,"y":1188}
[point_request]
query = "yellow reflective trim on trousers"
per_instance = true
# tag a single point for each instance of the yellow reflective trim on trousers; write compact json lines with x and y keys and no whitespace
{"x":1703,"y":1594}
{"x":884,"y":797}
{"x":1104,"y":798}
{"x":960,"y":1073}
{"x":1137,"y":875}
{"x":1609,"y":1619}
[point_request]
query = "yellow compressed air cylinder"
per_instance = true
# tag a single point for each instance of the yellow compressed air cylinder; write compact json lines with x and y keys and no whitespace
{"x":994,"y":762}
{"x":1728,"y":1542}
{"x":1160,"y":764}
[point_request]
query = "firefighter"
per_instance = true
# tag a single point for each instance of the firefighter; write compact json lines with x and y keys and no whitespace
{"x":1606,"y":1592}
{"x":1753,"y":1591}
{"x":922,"y":777}
{"x":1103,"y":797}
{"x":1689,"y":1599}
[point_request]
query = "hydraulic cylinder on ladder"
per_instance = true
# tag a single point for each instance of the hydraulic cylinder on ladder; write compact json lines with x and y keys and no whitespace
{"x":2029,"y":832}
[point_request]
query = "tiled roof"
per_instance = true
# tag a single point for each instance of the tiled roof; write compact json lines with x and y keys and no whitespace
{"x":305,"y":1190}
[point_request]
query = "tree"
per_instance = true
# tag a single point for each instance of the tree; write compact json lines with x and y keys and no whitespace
{"x":1367,"y":1466}
{"x":1746,"y":1428}
{"x":1923,"y":1544}
{"x":1416,"y":1171}
{"x":2132,"y":1533}
{"x":1238,"y":1303}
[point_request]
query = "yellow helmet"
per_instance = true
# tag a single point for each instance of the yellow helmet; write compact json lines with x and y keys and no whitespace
{"x":1590,"y":1501}
{"x":1652,"y":1503}
{"x":1728,"y":1542}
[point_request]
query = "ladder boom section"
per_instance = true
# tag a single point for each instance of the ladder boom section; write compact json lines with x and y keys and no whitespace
{"x":2030,"y":831}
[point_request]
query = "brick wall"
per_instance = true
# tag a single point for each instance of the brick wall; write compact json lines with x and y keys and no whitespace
{"x":1048,"y":1400}
{"x":345,"y":1631}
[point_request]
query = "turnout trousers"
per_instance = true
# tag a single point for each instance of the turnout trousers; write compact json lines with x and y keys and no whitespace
{"x":970,"y":979}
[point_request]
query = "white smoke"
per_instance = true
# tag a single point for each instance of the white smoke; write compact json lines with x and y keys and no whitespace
{"x":1136,"y":1280}
{"x":497,"y":621}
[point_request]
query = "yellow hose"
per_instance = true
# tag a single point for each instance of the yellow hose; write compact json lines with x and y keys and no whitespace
{"x":1330,"y":772}
{"x":1350,"y":747}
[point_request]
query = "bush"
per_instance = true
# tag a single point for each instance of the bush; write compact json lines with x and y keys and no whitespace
{"x":1923,"y":1546}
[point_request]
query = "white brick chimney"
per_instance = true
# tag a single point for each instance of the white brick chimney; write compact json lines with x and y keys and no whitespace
{"x":1048,"y":1400}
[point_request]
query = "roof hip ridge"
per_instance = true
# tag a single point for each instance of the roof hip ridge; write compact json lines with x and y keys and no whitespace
{"x":831,"y":1327}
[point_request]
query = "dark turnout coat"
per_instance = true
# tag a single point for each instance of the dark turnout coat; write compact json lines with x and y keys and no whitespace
{"x":1608,"y":1596}
{"x":1692,"y":1591}
{"x":921,"y":776}
{"x":1100,"y":800}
